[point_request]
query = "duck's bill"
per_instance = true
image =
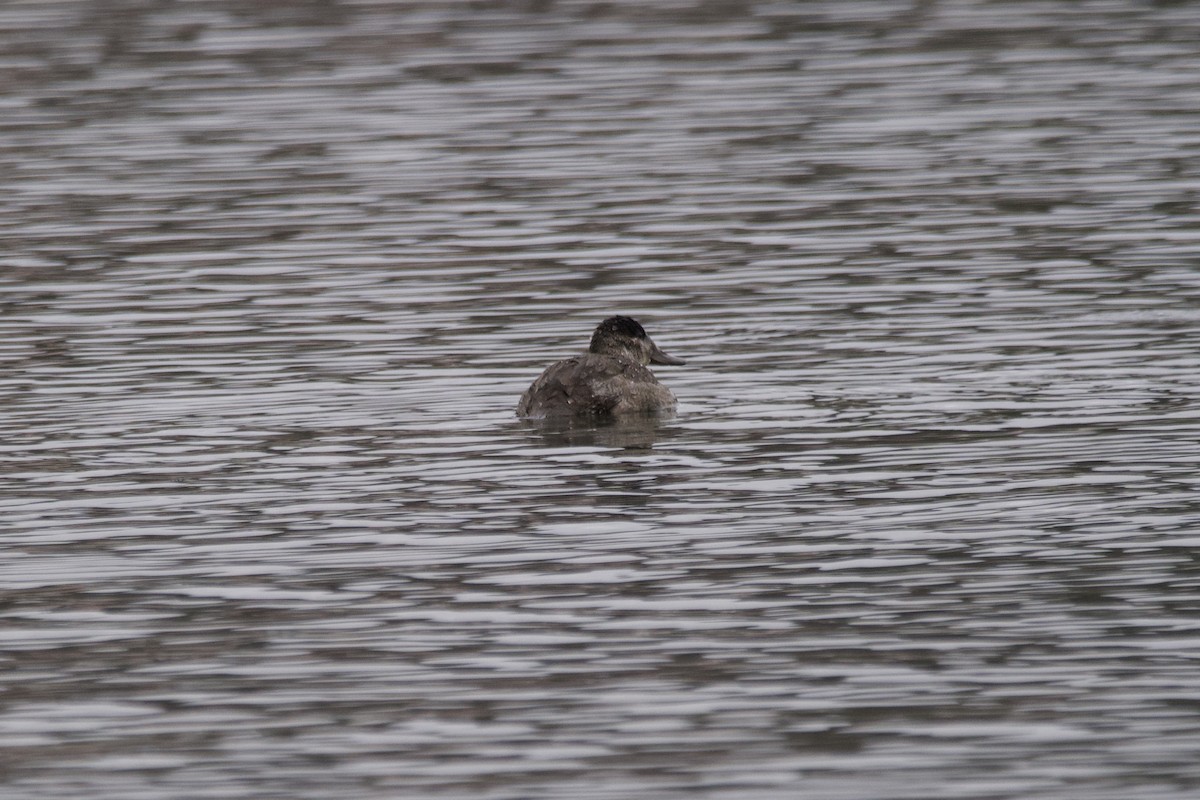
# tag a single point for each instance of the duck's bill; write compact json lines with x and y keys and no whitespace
{"x":659,"y":357}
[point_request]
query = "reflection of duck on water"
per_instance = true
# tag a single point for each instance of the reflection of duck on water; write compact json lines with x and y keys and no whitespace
{"x":610,"y":378}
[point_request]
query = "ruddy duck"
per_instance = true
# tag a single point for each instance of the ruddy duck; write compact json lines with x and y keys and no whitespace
{"x":610,"y":378}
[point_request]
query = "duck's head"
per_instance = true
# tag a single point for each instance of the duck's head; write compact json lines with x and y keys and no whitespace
{"x":623,"y":336}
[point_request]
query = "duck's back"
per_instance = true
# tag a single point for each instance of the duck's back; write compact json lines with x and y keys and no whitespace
{"x":594,"y":384}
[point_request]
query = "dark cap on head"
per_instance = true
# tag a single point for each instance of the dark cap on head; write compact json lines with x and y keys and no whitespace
{"x":620,"y":326}
{"x":614,"y":330}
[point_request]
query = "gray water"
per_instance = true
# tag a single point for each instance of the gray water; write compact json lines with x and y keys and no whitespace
{"x":275,"y":274}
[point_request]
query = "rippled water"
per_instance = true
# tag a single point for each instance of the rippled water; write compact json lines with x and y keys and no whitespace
{"x":925,"y":525}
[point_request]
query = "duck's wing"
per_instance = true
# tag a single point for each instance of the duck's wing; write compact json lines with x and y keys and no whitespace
{"x":578,"y":385}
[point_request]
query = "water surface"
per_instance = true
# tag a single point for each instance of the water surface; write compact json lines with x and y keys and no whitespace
{"x":925,"y":525}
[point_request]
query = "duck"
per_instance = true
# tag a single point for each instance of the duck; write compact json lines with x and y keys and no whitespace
{"x":610,"y":379}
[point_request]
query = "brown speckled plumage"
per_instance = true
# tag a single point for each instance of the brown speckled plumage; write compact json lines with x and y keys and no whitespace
{"x":610,"y":379}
